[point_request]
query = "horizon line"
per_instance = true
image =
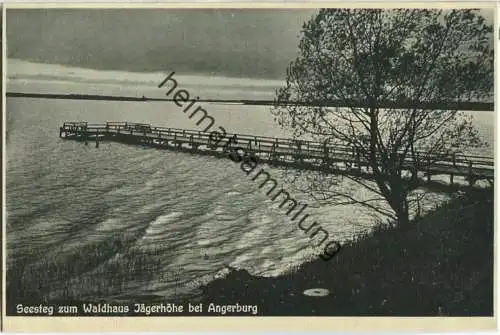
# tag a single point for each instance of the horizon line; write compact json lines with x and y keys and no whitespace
{"x":464,"y":106}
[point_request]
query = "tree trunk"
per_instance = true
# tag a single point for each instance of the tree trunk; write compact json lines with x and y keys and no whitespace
{"x":399,"y":203}
{"x":401,"y":208}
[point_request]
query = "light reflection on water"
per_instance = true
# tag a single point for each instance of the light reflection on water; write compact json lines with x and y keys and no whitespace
{"x":192,"y":215}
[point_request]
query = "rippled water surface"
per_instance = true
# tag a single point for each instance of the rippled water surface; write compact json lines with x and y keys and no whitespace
{"x":180,"y":217}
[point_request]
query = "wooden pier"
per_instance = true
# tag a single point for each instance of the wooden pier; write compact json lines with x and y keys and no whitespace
{"x":275,"y":151}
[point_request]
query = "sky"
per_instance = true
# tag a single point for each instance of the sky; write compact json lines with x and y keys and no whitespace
{"x":252,"y":43}
{"x":232,"y":42}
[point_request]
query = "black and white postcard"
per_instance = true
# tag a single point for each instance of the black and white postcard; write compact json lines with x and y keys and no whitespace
{"x":164,"y":164}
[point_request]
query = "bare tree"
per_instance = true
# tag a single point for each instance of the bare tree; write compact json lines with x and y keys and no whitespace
{"x":368,"y":59}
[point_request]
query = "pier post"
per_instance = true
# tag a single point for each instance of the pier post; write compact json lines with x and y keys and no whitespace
{"x":272,"y":154}
{"x":471,"y":178}
{"x":358,"y":160}
{"x":428,"y":169}
{"x":298,"y":156}
{"x":249,"y":148}
{"x":414,"y":174}
{"x":60,"y":131}
{"x":97,"y":139}
{"x":454,"y":166}
{"x":326,"y":159}
{"x":85,"y":136}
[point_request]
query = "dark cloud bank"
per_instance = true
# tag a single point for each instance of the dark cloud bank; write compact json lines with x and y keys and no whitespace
{"x":232,"y":42}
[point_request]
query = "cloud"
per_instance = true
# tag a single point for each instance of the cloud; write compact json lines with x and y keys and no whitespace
{"x":227,"y":42}
{"x":232,"y":42}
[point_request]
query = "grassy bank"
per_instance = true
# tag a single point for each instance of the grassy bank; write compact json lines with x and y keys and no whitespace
{"x":99,"y":269}
{"x":441,"y":265}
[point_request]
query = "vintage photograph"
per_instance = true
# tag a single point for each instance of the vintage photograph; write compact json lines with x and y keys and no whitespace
{"x":249,"y":162}
{"x":1,"y":144}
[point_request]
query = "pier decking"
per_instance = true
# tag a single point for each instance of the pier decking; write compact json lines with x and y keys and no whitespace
{"x":275,"y":151}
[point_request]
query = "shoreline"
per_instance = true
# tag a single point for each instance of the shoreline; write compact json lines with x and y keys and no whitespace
{"x":462,"y":106}
{"x":367,"y":278}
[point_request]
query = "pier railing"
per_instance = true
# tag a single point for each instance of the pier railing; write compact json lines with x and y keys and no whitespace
{"x":307,"y":153}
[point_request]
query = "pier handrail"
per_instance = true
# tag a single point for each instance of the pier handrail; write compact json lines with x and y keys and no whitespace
{"x":309,"y":147}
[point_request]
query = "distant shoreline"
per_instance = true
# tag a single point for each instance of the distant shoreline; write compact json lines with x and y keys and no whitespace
{"x":464,"y":106}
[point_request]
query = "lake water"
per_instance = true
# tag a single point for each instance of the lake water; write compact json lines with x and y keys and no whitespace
{"x":193,"y":216}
